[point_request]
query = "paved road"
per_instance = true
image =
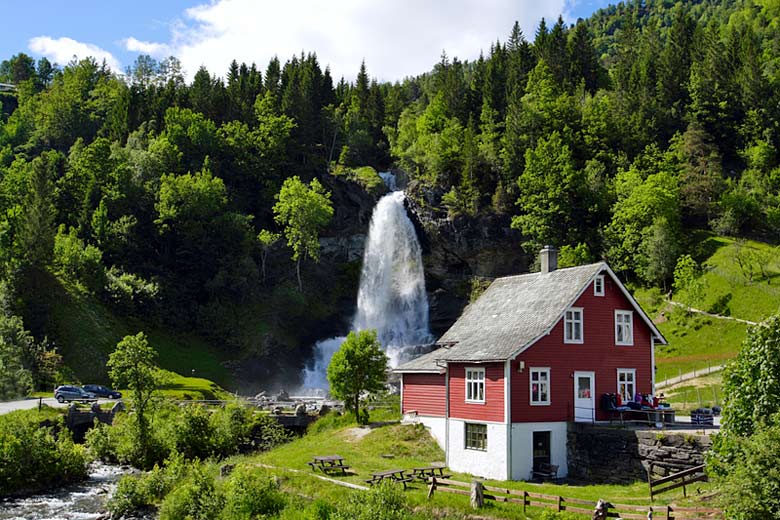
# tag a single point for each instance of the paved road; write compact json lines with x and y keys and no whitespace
{"x":28,"y":404}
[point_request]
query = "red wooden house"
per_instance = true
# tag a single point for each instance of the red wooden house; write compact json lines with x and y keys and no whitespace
{"x":530,"y":356}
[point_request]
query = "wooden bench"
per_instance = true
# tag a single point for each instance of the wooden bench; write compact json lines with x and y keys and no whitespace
{"x":329,"y":464}
{"x":545,"y":472}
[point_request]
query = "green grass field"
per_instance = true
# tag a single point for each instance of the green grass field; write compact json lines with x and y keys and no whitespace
{"x":750,"y":291}
{"x":366,"y":450}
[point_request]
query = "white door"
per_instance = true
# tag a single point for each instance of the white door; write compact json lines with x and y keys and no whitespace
{"x":584,"y":396}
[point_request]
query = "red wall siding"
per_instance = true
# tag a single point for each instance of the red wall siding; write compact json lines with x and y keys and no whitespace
{"x":424,"y":393}
{"x":493,"y":407}
{"x":597,"y":354}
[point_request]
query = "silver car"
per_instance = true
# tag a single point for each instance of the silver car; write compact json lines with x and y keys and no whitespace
{"x":68,"y":393}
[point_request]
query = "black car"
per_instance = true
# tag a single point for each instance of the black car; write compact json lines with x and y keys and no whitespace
{"x":68,"y":393}
{"x":102,"y":391}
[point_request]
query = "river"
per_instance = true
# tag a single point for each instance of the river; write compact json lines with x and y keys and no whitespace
{"x":83,"y":501}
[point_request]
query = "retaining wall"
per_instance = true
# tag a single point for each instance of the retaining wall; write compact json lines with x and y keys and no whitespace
{"x":611,"y":455}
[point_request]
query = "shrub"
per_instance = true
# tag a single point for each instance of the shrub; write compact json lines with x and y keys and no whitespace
{"x":197,"y":498}
{"x":37,"y":455}
{"x":383,"y":502}
{"x":251,"y":494}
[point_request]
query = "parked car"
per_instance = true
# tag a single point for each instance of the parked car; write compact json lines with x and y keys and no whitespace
{"x":68,"y":393}
{"x":102,"y":391}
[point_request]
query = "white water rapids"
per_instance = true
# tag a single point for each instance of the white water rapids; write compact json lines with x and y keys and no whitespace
{"x":391,"y":298}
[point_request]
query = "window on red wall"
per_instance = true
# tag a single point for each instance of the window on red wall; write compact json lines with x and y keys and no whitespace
{"x":475,"y":385}
{"x":626,"y":383}
{"x":624,"y":328}
{"x":572,"y":326}
{"x":540,"y":386}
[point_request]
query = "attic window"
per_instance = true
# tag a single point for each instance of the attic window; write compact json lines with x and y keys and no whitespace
{"x":598,"y":285}
{"x":572,"y":326}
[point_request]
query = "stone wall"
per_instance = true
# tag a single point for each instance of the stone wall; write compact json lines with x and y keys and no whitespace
{"x":601,"y":454}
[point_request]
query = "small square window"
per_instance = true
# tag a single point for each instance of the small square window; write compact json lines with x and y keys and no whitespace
{"x":475,"y":385}
{"x":598,"y":286}
{"x":572,"y":326}
{"x":476,"y":436}
{"x":624,"y":328}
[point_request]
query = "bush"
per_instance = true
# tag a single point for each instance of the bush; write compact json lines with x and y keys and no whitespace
{"x":383,"y":502}
{"x":251,"y":494}
{"x":197,"y":498}
{"x":36,"y":455}
{"x":193,"y":432}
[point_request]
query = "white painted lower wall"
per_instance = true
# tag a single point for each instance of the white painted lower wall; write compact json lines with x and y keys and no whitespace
{"x":491,"y":463}
{"x":522,"y":447}
{"x":436,"y":425}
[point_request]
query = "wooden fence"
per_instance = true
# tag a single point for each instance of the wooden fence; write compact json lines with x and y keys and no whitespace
{"x":573,"y":505}
{"x":678,"y":480}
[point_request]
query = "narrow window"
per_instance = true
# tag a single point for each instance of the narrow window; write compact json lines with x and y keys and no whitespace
{"x":624,"y":328}
{"x":598,"y":286}
{"x":626,"y":386}
{"x":475,"y":385}
{"x":572,"y":326}
{"x":476,"y":436}
{"x":540,"y":386}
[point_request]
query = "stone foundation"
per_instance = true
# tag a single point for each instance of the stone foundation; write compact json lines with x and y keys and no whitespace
{"x":604,"y":455}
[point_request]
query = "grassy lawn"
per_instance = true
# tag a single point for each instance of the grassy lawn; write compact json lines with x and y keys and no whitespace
{"x":741,"y":278}
{"x":366,"y":450}
{"x":705,"y":391}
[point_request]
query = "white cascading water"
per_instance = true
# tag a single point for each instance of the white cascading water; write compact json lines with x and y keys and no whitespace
{"x":391,"y":298}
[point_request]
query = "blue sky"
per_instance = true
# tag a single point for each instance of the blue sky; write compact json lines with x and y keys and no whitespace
{"x":396,"y":37}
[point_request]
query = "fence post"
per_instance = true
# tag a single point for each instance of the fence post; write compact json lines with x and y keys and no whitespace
{"x":477,"y":494}
{"x":560,"y":501}
{"x":525,"y":500}
{"x":668,"y":513}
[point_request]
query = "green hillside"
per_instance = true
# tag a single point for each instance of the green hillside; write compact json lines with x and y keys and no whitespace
{"x":87,"y":333}
{"x":739,"y":280}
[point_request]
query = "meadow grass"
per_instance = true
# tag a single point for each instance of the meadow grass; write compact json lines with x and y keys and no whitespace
{"x":391,"y":445}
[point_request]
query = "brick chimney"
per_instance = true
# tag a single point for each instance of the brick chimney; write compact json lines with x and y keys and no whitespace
{"x":548,"y":258}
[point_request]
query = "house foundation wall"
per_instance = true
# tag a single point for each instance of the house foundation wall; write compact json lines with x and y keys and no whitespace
{"x":603,"y":455}
{"x":491,"y":463}
{"x":523,"y":448}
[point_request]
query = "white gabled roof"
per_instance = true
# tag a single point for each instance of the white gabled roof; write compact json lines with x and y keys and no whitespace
{"x":513,"y":314}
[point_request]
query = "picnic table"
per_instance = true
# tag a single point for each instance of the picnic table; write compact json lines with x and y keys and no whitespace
{"x":329,"y":464}
{"x":393,"y":475}
{"x":426,"y":472}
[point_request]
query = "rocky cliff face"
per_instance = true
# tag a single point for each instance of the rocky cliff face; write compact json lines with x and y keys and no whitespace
{"x":459,"y":250}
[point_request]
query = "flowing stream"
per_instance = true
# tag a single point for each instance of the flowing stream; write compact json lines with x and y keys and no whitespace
{"x":83,"y":501}
{"x":391,"y":298}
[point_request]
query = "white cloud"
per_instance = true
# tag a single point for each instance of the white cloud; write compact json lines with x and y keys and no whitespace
{"x":62,"y":51}
{"x":397,"y":38}
{"x":153,"y":49}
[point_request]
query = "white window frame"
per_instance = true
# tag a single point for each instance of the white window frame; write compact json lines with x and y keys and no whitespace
{"x":626,"y":372}
{"x":567,"y":319}
{"x":620,"y":323}
{"x":475,"y":381}
{"x":531,"y":382}
{"x":466,"y":436}
{"x":598,"y":285}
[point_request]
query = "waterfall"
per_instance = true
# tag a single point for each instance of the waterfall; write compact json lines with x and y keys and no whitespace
{"x":391,"y":297}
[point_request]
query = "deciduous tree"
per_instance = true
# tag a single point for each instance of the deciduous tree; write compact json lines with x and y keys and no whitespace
{"x":358,"y":366}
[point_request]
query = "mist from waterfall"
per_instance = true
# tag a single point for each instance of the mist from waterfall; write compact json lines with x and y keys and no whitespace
{"x":391,"y":298}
